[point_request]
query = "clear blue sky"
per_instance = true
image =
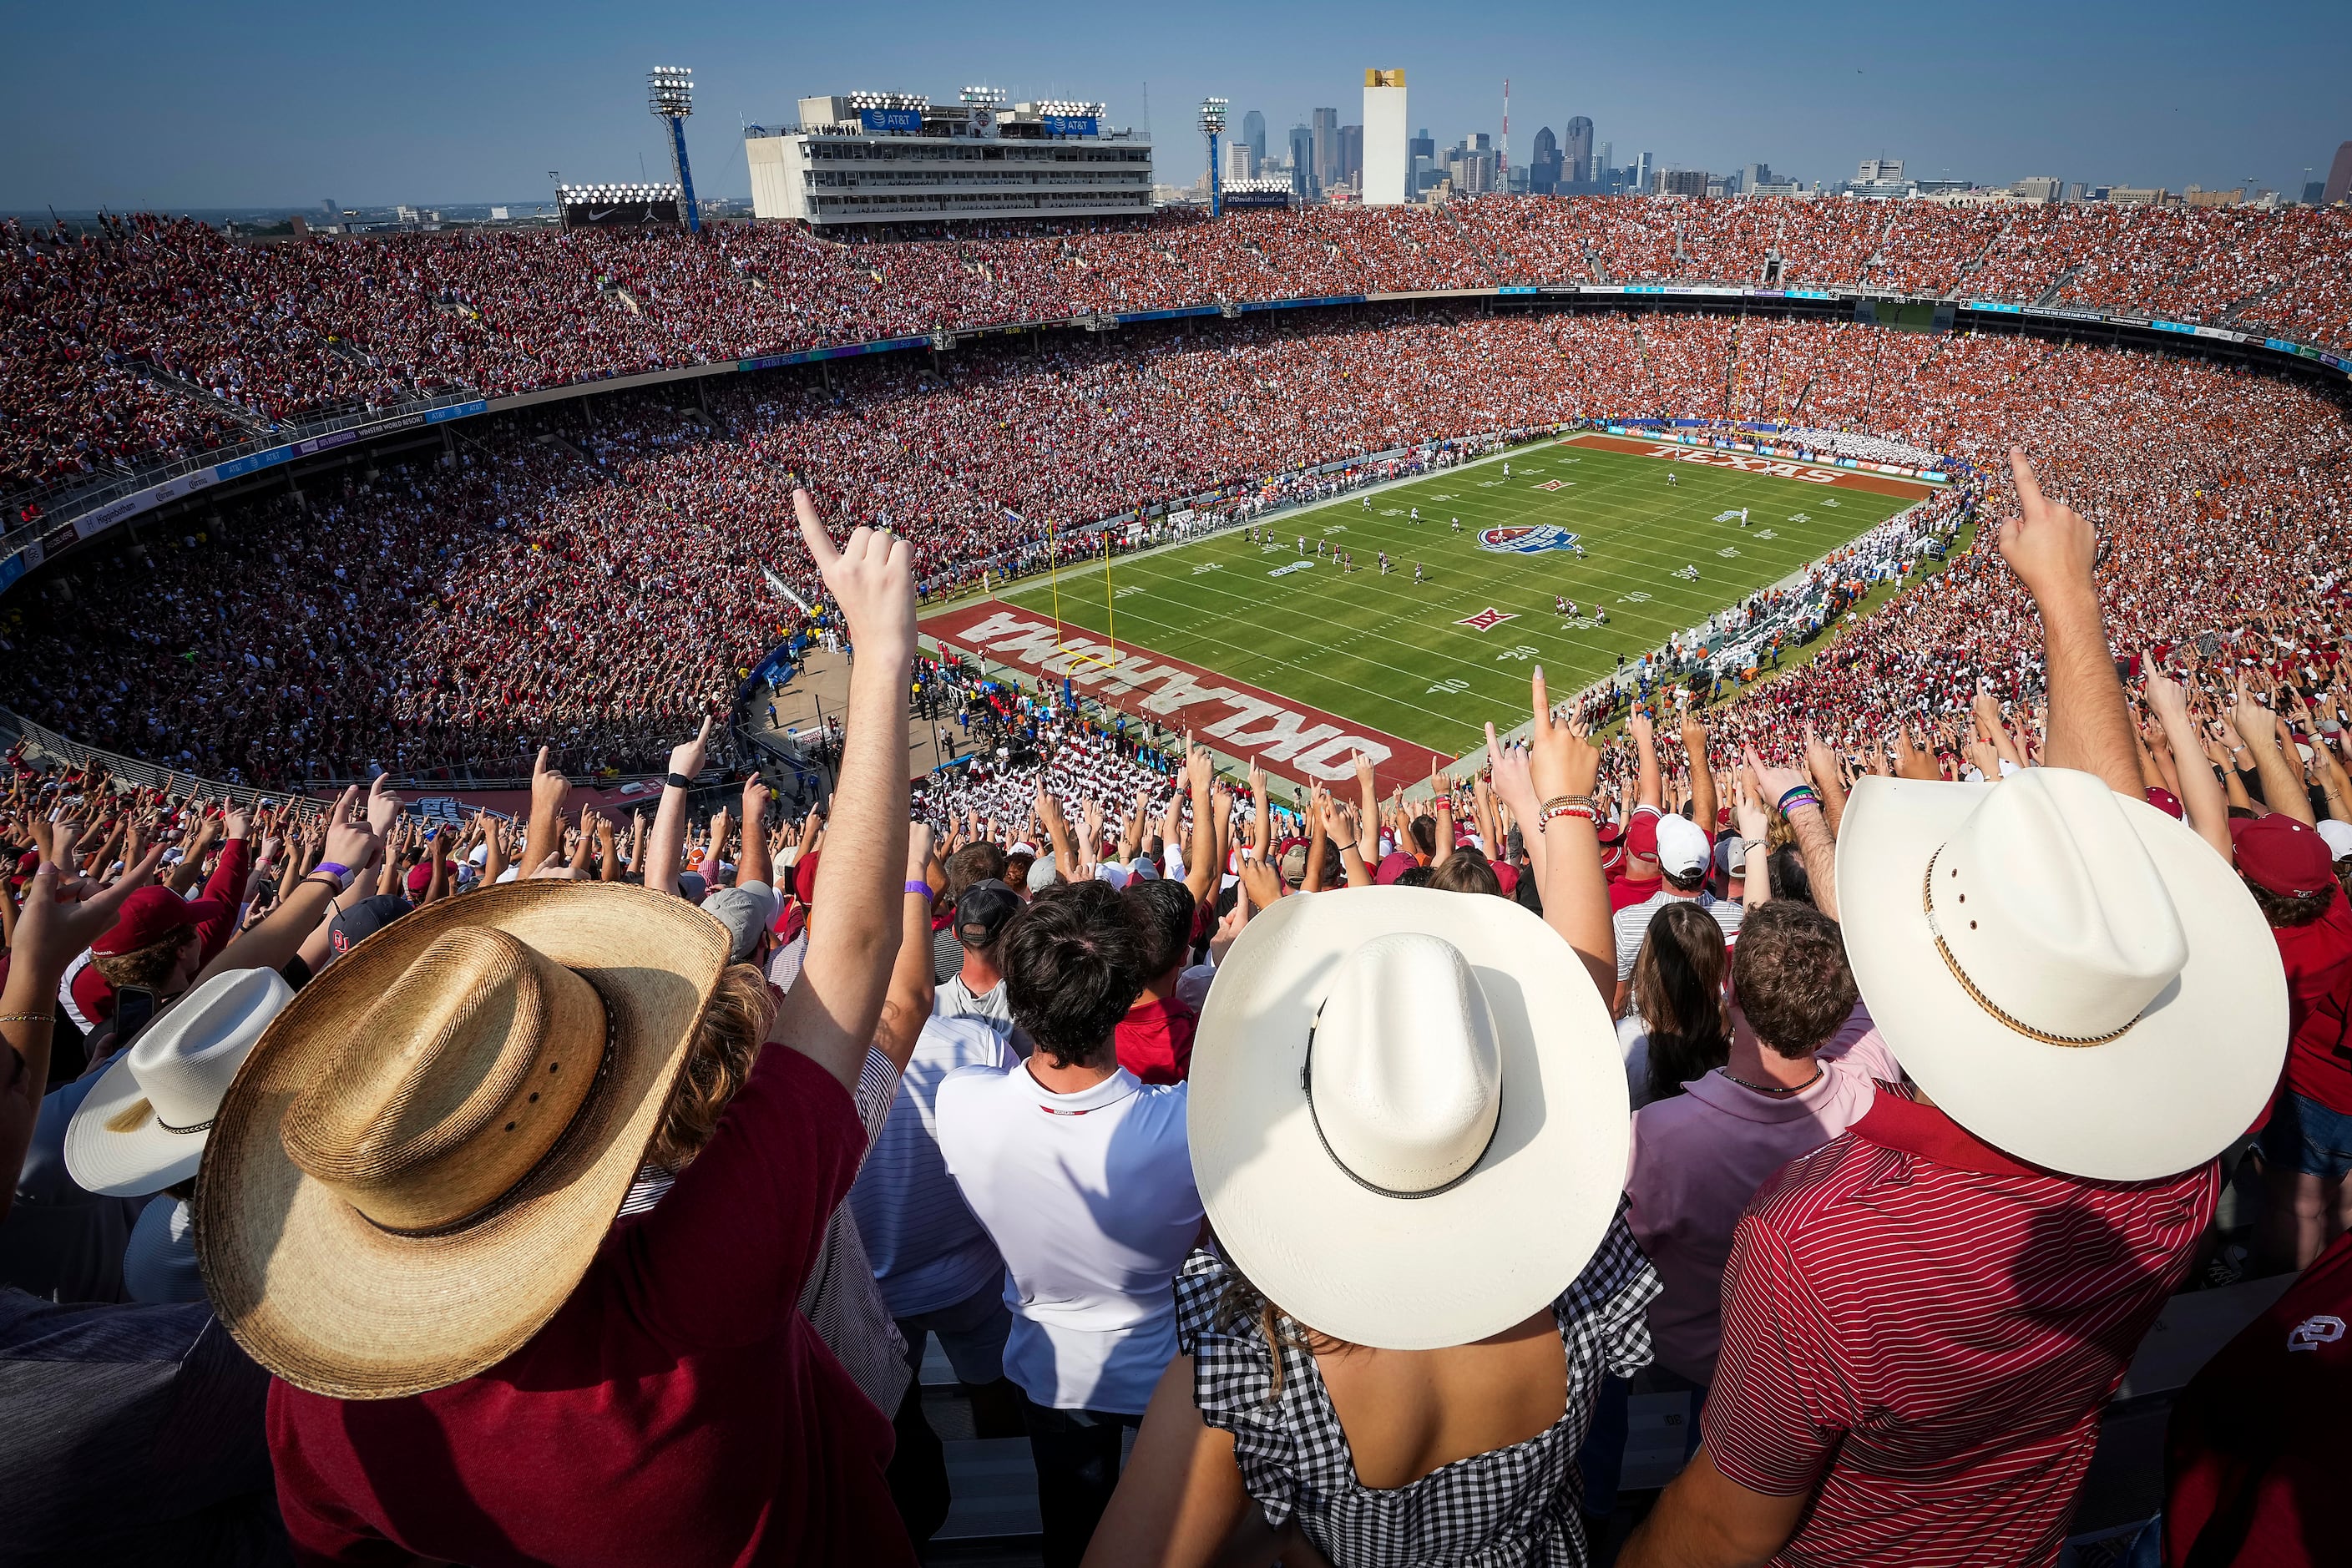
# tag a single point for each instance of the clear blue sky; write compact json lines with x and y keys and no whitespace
{"x":142,"y":104}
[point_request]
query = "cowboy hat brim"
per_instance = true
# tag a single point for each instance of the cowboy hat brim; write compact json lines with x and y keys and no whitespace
{"x":333,"y":1304}
{"x":117,"y":1145}
{"x":1421,"y":1273}
{"x":2184,"y":1082}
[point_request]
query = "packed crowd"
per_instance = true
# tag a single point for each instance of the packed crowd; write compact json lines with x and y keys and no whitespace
{"x":556,"y":584}
{"x":579,"y":1189}
{"x":246,"y":335}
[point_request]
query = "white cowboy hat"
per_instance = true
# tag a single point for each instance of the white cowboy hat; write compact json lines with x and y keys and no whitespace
{"x":1465,"y":1080}
{"x":142,"y":1126}
{"x":2071,"y":975}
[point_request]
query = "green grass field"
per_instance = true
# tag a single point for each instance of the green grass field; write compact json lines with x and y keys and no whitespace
{"x":1388,"y":654}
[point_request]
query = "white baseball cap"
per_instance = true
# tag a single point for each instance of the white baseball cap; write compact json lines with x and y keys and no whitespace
{"x":1682,"y":845}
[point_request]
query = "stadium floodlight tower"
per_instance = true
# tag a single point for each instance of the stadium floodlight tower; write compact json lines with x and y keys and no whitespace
{"x":1212,"y":125}
{"x":669,"y":94}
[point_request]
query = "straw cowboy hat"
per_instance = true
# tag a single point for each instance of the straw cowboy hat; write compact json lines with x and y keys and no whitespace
{"x":427,"y":1147}
{"x":142,"y":1126}
{"x":2071,"y":974}
{"x":1408,"y":1113}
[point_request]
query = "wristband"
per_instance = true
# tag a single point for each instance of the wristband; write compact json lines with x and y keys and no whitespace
{"x":334,"y":869}
{"x":1567,"y":800}
{"x":1802,"y":795}
{"x":924,"y":889}
{"x":324,"y":882}
{"x":1568,"y":809}
{"x":677,"y":781}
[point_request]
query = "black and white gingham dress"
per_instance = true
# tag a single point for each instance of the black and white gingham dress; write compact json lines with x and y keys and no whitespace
{"x":1505,"y":1509}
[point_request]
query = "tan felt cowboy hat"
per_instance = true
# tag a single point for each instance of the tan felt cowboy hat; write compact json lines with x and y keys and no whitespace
{"x":2071,"y":975}
{"x":144,"y":1124}
{"x":1408,"y":1113}
{"x":427,"y":1147}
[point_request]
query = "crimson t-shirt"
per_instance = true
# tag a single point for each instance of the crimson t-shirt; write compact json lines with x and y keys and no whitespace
{"x":1155,"y":1040}
{"x":2318,"y":958}
{"x":678,"y":1407}
{"x":2255,"y":1458}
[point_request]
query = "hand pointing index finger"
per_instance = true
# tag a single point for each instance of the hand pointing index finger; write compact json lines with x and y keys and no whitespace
{"x":1541,"y":696}
{"x":813,"y":531}
{"x":2029,"y":489}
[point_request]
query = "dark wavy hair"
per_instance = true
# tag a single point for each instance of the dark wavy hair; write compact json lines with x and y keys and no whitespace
{"x":1073,"y":965}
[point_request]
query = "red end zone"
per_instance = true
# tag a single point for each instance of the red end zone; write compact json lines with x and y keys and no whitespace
{"x":1302,"y":744}
{"x":1757,"y":463}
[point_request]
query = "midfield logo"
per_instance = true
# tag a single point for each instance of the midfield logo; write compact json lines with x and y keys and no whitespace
{"x":1294,"y":566}
{"x":1487,"y":619}
{"x":1528,"y":539}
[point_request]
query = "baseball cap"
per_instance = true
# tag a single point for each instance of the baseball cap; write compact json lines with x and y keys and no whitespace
{"x":353,"y":926}
{"x":1041,"y":872}
{"x":982,"y":910}
{"x":2338,"y":835}
{"x":745,"y":909}
{"x":1642,"y":835}
{"x":804,"y":878}
{"x":1682,"y":845}
{"x":150,"y":915}
{"x":2284,"y":855}
{"x":1613,"y":846}
{"x":420,"y":877}
{"x":691,"y":887}
{"x":1394,"y":864}
{"x":1730,"y":854}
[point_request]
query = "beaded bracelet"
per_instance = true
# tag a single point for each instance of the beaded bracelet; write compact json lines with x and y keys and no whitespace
{"x":1567,"y":800}
{"x":1559,"y":809}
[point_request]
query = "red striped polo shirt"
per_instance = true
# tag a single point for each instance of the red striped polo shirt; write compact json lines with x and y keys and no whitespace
{"x":1922,"y":1331}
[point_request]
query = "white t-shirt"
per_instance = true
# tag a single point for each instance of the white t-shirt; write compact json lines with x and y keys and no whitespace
{"x":1089,"y":1199}
{"x":927,"y":1248}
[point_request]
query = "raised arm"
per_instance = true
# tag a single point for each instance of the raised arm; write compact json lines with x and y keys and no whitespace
{"x":1788,"y":790}
{"x":666,"y":846}
{"x":831,"y":1013}
{"x":755,"y":864}
{"x":2202,"y":796}
{"x":2052,"y":549}
{"x":909,"y":1001}
{"x":1704,"y":803}
{"x":1562,"y":766}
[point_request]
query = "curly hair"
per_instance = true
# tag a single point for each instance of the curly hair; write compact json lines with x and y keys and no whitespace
{"x":2285,"y":911}
{"x":726,"y":1048}
{"x":1791,"y":978}
{"x":146,"y":967}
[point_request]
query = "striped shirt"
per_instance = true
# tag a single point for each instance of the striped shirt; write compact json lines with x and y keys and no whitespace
{"x":1922,"y":1331}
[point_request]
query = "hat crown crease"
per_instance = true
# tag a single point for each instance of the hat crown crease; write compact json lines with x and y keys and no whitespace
{"x":453,"y":1085}
{"x":1406,"y":1084}
{"x":2050,"y":904}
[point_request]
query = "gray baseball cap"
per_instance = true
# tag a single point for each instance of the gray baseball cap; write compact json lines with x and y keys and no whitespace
{"x":747,"y":910}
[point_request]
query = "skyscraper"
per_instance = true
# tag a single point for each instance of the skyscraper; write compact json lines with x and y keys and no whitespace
{"x":2339,"y":177}
{"x":1302,"y":162}
{"x":1576,"y":153}
{"x":1327,"y":149}
{"x":1253,"y":132}
{"x":1544,"y":164}
{"x":1387,"y":163}
{"x":1604,"y":157}
{"x":1642,"y":174}
{"x":1352,"y":157}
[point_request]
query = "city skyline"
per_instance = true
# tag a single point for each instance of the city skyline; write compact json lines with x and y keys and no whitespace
{"x":374,"y":118}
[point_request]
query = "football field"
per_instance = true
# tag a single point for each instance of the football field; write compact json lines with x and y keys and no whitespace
{"x":1426,"y":662}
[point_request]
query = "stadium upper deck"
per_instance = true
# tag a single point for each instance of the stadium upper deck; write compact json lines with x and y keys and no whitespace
{"x":159,"y":339}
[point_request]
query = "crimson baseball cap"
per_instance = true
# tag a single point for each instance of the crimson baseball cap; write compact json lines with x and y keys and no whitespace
{"x":1642,"y":835}
{"x":1613,"y":846}
{"x":150,"y":915}
{"x":2284,"y":855}
{"x":420,"y":877}
{"x":804,"y":879}
{"x":1393,"y":865}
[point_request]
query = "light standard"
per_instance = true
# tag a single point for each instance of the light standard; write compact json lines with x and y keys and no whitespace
{"x":1212,"y":125}
{"x":670,"y":94}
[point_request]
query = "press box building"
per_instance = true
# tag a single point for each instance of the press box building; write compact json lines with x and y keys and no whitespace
{"x":881,"y":157}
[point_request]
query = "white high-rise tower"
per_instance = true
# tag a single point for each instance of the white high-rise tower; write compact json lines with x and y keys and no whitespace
{"x":1386,"y":158}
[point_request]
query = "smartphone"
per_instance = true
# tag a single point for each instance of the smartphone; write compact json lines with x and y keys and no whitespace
{"x":134,"y":1009}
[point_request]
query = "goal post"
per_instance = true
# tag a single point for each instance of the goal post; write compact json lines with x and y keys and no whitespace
{"x":1087,"y":654}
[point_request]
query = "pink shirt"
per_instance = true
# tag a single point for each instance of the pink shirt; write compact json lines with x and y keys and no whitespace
{"x":1699,"y":1157}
